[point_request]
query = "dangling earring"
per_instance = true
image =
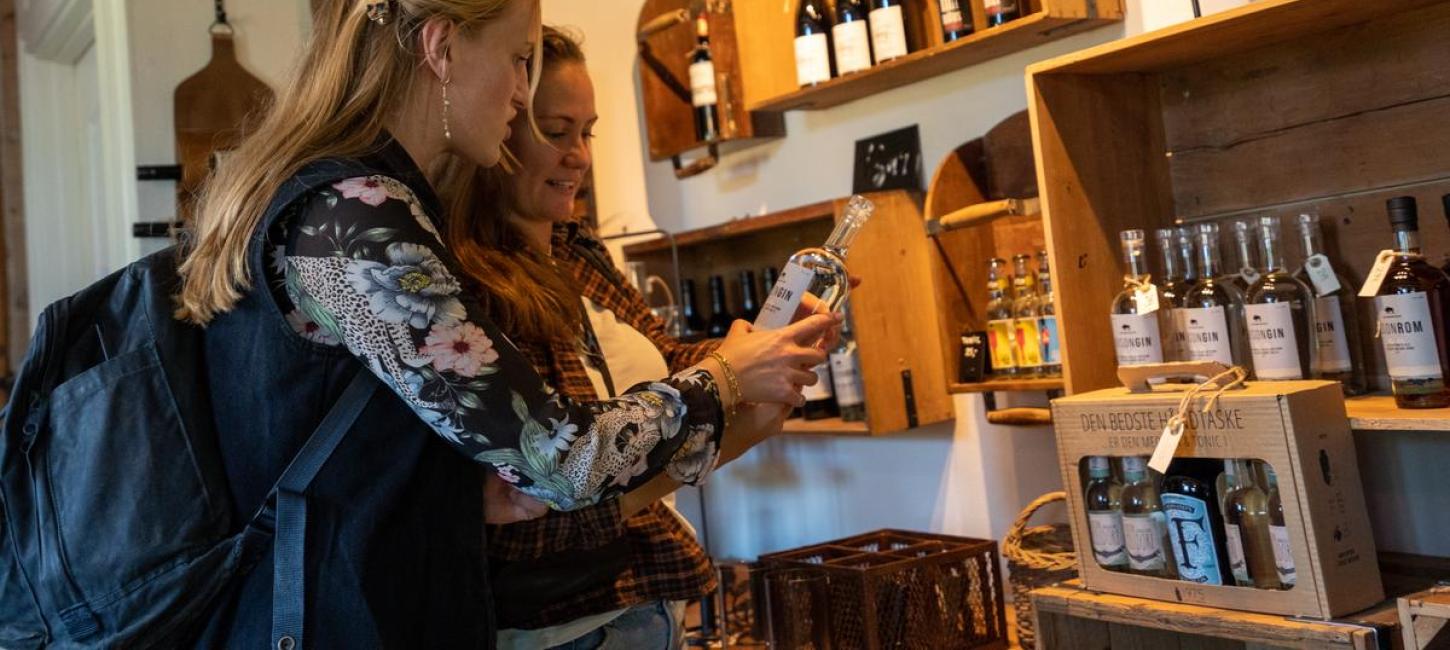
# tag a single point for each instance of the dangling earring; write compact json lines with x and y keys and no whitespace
{"x":447,"y":133}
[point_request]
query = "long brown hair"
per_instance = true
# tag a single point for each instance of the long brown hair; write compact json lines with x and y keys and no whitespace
{"x":523,"y":293}
{"x":350,"y":77}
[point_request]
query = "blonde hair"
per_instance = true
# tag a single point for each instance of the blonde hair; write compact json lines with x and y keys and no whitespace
{"x":344,"y":88}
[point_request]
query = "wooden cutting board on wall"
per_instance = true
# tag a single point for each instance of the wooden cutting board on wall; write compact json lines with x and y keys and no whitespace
{"x":211,"y":111}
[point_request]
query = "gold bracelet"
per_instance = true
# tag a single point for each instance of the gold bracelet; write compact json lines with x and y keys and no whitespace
{"x":730,"y":380}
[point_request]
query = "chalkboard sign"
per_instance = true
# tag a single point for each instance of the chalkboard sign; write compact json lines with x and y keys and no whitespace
{"x":890,"y":161}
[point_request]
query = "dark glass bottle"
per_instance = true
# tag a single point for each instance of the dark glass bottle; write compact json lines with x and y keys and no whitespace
{"x":694,"y":322}
{"x":749,"y":300}
{"x":768,"y":276}
{"x":1445,"y":204}
{"x":1410,"y":309}
{"x":812,"y":43}
{"x":888,"y":30}
{"x":821,"y":398}
{"x":720,"y":318}
{"x":851,"y":37}
{"x":1195,"y":525}
{"x":1001,"y":11}
{"x":956,"y":20}
{"x":703,"y":96}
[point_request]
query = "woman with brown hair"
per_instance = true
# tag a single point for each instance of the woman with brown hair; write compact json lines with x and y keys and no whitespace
{"x":316,"y":256}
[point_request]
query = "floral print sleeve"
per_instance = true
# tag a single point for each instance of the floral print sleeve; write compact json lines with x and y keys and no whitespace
{"x":363,"y":265}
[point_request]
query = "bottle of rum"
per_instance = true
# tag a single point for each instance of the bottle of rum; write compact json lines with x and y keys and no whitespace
{"x":1336,"y":319}
{"x":749,"y":302}
{"x":1001,"y":11}
{"x":956,"y":21}
{"x":1001,"y":336}
{"x":1246,"y":528}
{"x":1248,"y":269}
{"x":1173,"y":285}
{"x":1280,"y":314}
{"x":852,"y":37}
{"x":1145,"y":527}
{"x":888,"y":30}
{"x":1212,"y":312}
{"x":846,"y":374}
{"x":1028,"y":341}
{"x":1195,"y":527}
{"x":720,"y":317}
{"x":1136,"y":331}
{"x":702,"y":84}
{"x":812,"y":43}
{"x":1105,"y":516}
{"x":1410,"y":308}
{"x":1278,"y":532}
{"x":1047,"y":320}
{"x":820,"y":272}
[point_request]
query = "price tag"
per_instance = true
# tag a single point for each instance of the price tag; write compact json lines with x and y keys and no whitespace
{"x":1147,"y":299}
{"x":1377,"y":274}
{"x":1321,"y":275}
{"x":1167,"y":446}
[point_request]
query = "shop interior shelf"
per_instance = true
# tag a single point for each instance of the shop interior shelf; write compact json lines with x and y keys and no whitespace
{"x":832,"y":426}
{"x":994,"y":385}
{"x":1379,"y":413}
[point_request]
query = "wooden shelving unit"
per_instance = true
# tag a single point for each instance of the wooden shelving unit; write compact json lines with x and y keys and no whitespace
{"x":993,"y":385}
{"x":1379,"y":413}
{"x":828,"y":426}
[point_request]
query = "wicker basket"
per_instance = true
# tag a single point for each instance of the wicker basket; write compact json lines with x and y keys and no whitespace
{"x":1037,"y":556}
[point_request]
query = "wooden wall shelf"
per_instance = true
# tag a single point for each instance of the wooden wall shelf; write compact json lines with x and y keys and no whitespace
{"x":993,"y":385}
{"x":1379,"y":413}
{"x":824,"y":211}
{"x":828,"y":426}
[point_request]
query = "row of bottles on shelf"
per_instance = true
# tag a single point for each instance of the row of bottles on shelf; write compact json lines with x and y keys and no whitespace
{"x":1281,"y":324}
{"x":1022,"y":334}
{"x":856,"y":34}
{"x":1216,"y":522}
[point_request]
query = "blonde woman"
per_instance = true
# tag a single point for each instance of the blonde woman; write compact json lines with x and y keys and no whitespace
{"x":316,"y":256}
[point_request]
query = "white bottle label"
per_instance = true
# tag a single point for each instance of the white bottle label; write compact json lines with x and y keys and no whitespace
{"x":1377,"y":274}
{"x":1329,"y":336}
{"x":1235,"y":543}
{"x":702,"y":84}
{"x":1136,"y":340}
{"x":952,"y":17}
{"x":1273,"y":342}
{"x":785,"y":297}
{"x":853,"y":46}
{"x":888,"y":33}
{"x":995,"y":7}
{"x":1321,"y":274}
{"x":812,"y":59}
{"x":822,"y":389}
{"x":846,"y":375}
{"x":1143,"y":536}
{"x":1205,"y":331}
{"x":1283,"y":555}
{"x":1106,"y":529}
{"x":1408,"y":336}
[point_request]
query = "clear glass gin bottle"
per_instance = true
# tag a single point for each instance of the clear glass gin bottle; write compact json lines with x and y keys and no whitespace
{"x":1247,"y":270}
{"x":1172,"y":286}
{"x":818,"y":271}
{"x":1145,"y":527}
{"x":1212,"y":310}
{"x":1104,"y":513}
{"x":1137,"y":336}
{"x":1336,"y":320}
{"x":1280,"y":313}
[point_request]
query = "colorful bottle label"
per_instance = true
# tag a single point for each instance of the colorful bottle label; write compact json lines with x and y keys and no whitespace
{"x":1143,"y":536}
{"x":1195,"y":552}
{"x":952,"y":17}
{"x":1283,"y":555}
{"x":1408,"y":336}
{"x":846,"y":376}
{"x":1051,"y":344}
{"x":1028,"y":343}
{"x":823,"y":388}
{"x":1330,"y":338}
{"x":1106,"y":529}
{"x":888,"y":33}
{"x":1206,"y":337}
{"x":1136,"y":340}
{"x":1273,"y":342}
{"x":702,"y":84}
{"x":1000,"y":339}
{"x":1236,"y":562}
{"x":785,"y":297}
{"x":812,"y":59}
{"x":853,"y":46}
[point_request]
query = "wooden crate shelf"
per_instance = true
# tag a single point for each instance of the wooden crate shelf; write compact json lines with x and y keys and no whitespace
{"x":823,"y":212}
{"x":1423,"y":617}
{"x":1379,"y":413}
{"x":994,"y":385}
{"x":828,"y":426}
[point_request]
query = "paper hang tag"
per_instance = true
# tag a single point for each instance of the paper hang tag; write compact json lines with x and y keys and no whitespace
{"x":1167,"y":446}
{"x":1249,"y":274}
{"x":1321,"y":275}
{"x":1377,"y":274}
{"x":1147,"y":298}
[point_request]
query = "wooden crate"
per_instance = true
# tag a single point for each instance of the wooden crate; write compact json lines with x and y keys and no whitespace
{"x":1070,"y":618}
{"x":1423,"y":617}
{"x":893,"y":311}
{"x":1278,"y":107}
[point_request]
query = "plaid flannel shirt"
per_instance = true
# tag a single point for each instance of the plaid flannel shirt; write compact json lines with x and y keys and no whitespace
{"x":666,"y":562}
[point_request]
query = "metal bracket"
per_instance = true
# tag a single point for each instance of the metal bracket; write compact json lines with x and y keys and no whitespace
{"x":910,"y":399}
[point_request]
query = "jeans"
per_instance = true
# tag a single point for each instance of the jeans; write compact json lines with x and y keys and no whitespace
{"x":657,"y":625}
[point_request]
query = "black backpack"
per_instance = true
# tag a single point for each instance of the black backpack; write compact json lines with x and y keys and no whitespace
{"x":115,"y":518}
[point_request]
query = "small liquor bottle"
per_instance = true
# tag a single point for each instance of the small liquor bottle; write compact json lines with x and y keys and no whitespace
{"x":1136,"y":332}
{"x":1194,"y":524}
{"x":1336,"y":320}
{"x":1001,"y":339}
{"x":1246,"y":528}
{"x":1028,"y":341}
{"x":1145,"y":527}
{"x":1410,"y":306}
{"x":1212,"y":312}
{"x":1278,"y":532}
{"x":1047,"y":321}
{"x":1105,"y":516}
{"x":1280,"y":314}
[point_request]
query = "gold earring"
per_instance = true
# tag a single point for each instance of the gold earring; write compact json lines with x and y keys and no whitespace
{"x":447,"y":133}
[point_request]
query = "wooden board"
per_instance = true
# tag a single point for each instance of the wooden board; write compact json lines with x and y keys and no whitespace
{"x":1007,"y":384}
{"x":1423,"y":619}
{"x":815,"y":212}
{"x":1379,"y":413}
{"x":212,"y":109}
{"x":827,"y":426}
{"x":14,"y":291}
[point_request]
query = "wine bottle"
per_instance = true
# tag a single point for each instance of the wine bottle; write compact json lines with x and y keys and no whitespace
{"x":1172,"y":287}
{"x":1001,"y":339}
{"x":1246,"y":528}
{"x":1145,"y":527}
{"x":1278,"y":532}
{"x":1410,"y":307}
{"x":846,"y":373}
{"x":1136,"y":330}
{"x":888,"y":30}
{"x":812,"y":43}
{"x":694,"y":322}
{"x":1195,"y":527}
{"x":1105,"y":515}
{"x":1213,"y":313}
{"x":1002,"y":11}
{"x":1028,"y":341}
{"x":702,"y":84}
{"x":720,"y":318}
{"x":749,"y":303}
{"x":1280,"y":314}
{"x":1336,"y":319}
{"x":820,"y":398}
{"x":820,"y":272}
{"x":852,"y":37}
{"x":1047,"y":320}
{"x":1246,"y":273}
{"x":956,"y":22}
